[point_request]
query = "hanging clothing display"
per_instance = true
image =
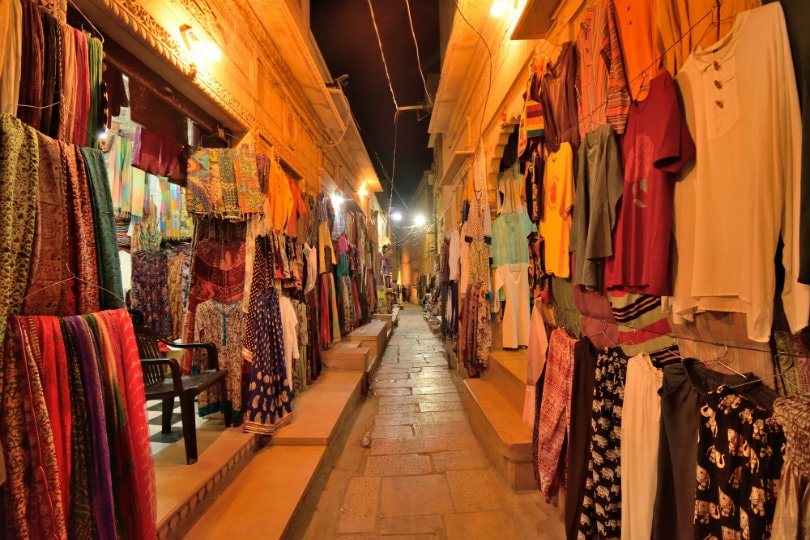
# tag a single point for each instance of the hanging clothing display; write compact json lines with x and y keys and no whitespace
{"x":19,"y":162}
{"x":87,"y":360}
{"x":11,"y":57}
{"x":224,"y":326}
{"x":535,"y":364}
{"x":655,"y":147}
{"x":269,"y":405}
{"x":792,"y":515}
{"x":723,"y":105}
{"x":601,"y":513}
{"x":603,"y":96}
{"x":555,"y":225}
{"x":150,"y":290}
{"x":513,"y":279}
{"x":475,"y":333}
{"x":560,"y":100}
{"x":637,"y":33}
{"x":217,"y":271}
{"x":289,"y":326}
{"x":553,"y":417}
{"x":739,"y":462}
{"x":641,"y":417}
{"x":795,"y":12}
{"x":581,"y":433}
{"x":599,"y":186}
{"x":683,"y":390}
{"x":510,"y":233}
{"x":223,"y":183}
{"x":682,"y":25}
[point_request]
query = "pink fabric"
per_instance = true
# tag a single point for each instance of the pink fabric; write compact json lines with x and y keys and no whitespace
{"x":554,"y":419}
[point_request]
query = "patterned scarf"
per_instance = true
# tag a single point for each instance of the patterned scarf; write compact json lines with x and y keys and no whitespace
{"x":49,"y":257}
{"x":19,"y":158}
{"x":101,"y":492}
{"x":32,"y":494}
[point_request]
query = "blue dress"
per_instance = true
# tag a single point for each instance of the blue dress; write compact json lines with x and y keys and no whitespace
{"x":270,"y":394}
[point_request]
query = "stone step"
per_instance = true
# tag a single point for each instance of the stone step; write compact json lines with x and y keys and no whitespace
{"x":192,"y":498}
{"x":352,"y":356}
{"x":506,"y":438}
{"x":507,"y":372}
{"x":372,"y":335}
{"x":282,"y":473}
{"x":183,"y":490}
{"x":322,"y":410}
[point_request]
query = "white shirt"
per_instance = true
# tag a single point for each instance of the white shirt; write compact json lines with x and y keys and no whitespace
{"x":289,"y":326}
{"x":742,"y":109}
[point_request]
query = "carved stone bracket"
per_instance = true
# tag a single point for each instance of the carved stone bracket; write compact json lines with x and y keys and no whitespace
{"x":142,"y":24}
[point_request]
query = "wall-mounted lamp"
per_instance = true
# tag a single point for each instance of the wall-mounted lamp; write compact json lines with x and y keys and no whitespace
{"x":363,"y":191}
{"x":337,"y":200}
{"x":396,"y":215}
{"x":200,"y":50}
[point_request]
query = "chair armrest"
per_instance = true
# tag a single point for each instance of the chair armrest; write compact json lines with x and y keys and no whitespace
{"x":210,"y":348}
{"x":174,"y":369}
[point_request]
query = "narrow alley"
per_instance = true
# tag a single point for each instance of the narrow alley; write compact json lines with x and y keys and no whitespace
{"x":424,"y":474}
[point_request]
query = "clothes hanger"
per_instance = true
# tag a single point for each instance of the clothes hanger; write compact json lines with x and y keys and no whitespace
{"x":601,"y":332}
{"x":752,"y":380}
{"x":721,"y":360}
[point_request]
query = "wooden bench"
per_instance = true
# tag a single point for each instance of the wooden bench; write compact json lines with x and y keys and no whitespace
{"x":163,"y":379}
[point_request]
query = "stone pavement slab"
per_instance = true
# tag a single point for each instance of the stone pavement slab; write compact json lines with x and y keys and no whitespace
{"x":415,"y":495}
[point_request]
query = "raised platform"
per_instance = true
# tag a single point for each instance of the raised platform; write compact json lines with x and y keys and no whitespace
{"x":373,"y":336}
{"x":347,"y":355}
{"x":495,"y":407}
{"x":235,"y":466}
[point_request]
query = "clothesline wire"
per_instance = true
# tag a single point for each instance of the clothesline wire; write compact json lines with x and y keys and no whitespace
{"x":64,"y":110}
{"x":71,"y":277}
{"x":41,"y":107}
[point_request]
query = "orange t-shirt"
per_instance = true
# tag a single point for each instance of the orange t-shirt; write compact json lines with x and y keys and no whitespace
{"x":637,"y":34}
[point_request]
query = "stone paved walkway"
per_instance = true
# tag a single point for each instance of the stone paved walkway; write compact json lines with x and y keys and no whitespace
{"x":424,"y":475}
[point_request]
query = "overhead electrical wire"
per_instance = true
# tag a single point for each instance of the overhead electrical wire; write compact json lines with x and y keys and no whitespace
{"x":489,"y":52}
{"x":418,"y":60}
{"x":382,"y":55}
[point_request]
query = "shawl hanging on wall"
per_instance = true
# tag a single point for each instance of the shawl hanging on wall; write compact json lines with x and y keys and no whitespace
{"x":81,"y":235}
{"x":19,"y":158}
{"x":99,"y":451}
{"x":109,"y":266}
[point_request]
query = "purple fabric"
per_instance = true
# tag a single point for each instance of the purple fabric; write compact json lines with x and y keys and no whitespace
{"x":101,"y":483}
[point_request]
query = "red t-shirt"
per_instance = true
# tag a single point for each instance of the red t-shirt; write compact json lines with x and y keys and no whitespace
{"x":656,"y":145}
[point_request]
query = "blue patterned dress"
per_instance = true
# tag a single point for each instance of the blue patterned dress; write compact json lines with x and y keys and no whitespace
{"x":270,"y":395}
